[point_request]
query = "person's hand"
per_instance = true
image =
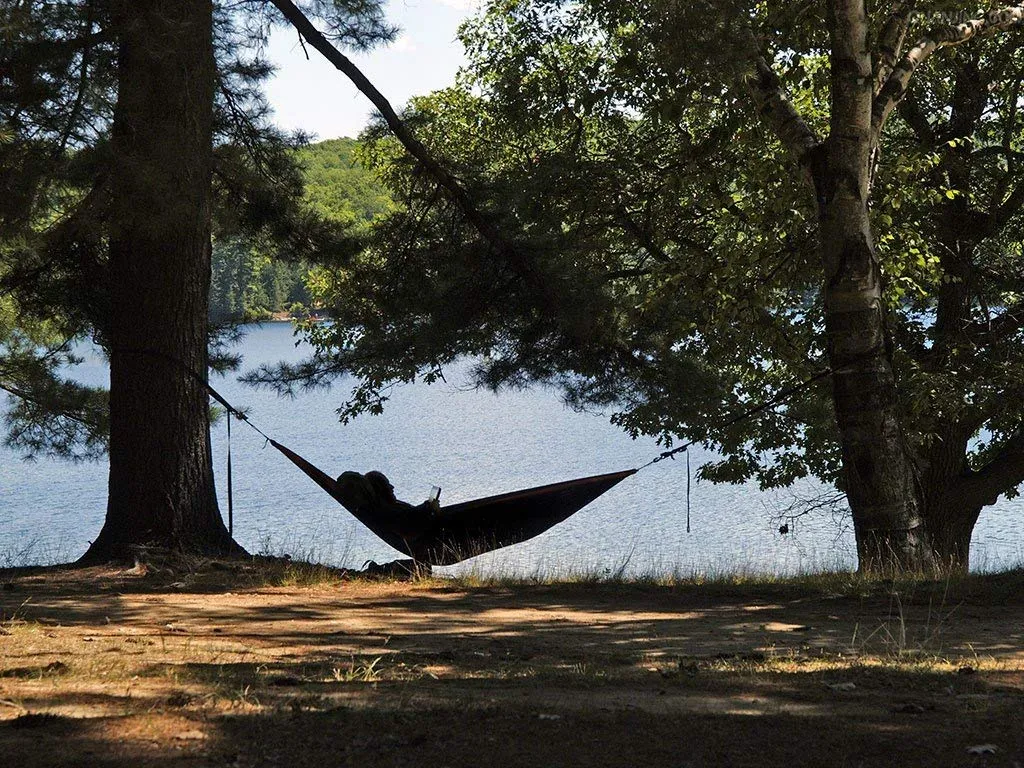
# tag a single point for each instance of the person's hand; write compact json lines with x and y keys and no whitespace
{"x":433,"y":506}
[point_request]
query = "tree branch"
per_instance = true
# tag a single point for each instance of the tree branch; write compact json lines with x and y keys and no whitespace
{"x":1009,"y":208}
{"x":641,"y":236}
{"x":1003,"y":473}
{"x":911,"y":112}
{"x":454,"y":189}
{"x":895,"y":86}
{"x":997,"y":330}
{"x":83,"y":82}
{"x":891,"y":39}
{"x":65,"y":414}
{"x":780,"y":115}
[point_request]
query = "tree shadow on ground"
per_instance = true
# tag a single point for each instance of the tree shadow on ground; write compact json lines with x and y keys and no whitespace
{"x":596,"y":675}
{"x":500,"y":728}
{"x":571,"y":619}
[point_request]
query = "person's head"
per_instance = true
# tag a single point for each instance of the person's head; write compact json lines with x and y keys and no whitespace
{"x":381,"y":485}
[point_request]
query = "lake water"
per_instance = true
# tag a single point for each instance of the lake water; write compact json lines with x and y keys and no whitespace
{"x":471,"y":443}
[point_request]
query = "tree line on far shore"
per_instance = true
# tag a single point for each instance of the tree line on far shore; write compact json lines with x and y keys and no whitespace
{"x":249,"y":284}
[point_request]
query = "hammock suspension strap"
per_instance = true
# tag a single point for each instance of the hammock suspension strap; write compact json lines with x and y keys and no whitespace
{"x":228,"y":407}
{"x":231,"y":505}
{"x":781,"y":397}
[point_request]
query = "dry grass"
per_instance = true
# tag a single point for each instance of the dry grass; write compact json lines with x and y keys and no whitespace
{"x":278,"y":663}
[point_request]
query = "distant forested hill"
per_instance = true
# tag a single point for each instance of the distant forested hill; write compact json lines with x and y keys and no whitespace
{"x":338,"y":186}
{"x":248,"y":282}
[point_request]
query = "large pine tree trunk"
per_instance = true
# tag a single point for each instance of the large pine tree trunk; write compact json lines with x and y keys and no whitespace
{"x":161,"y":476}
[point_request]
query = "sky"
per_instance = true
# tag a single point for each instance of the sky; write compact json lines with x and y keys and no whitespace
{"x":313,"y":96}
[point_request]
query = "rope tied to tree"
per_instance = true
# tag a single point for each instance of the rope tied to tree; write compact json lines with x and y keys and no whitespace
{"x":232,"y":411}
{"x":228,"y":407}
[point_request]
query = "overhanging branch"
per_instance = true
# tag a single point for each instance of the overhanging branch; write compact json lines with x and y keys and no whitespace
{"x":780,"y":115}
{"x":1003,"y":473}
{"x":451,"y":185}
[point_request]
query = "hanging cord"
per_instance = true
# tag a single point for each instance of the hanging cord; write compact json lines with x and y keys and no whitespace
{"x":685,"y":447}
{"x":687,"y":491}
{"x":231,"y":505}
{"x":231,"y":412}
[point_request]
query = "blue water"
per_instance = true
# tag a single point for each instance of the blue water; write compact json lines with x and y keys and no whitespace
{"x":471,"y":443}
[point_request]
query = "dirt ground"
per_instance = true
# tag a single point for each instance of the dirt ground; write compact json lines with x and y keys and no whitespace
{"x":103,"y":667}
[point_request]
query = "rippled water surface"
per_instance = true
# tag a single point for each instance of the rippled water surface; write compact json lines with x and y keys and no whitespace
{"x":471,"y":443}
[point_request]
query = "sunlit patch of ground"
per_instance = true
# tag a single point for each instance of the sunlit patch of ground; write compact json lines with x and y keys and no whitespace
{"x":107,"y":667}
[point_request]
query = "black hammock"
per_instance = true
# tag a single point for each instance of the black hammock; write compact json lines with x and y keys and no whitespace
{"x":461,"y":531}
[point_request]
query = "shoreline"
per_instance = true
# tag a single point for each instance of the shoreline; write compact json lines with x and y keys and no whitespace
{"x":287,"y":317}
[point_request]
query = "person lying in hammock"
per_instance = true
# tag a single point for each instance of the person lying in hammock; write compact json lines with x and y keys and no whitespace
{"x":374,"y":494}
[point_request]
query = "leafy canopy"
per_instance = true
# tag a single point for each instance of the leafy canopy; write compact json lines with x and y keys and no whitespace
{"x":616,"y":144}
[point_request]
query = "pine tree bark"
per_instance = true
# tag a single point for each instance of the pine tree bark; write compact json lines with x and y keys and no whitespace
{"x":161,"y":489}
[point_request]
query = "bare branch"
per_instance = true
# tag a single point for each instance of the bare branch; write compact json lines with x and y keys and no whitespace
{"x":780,"y":115}
{"x":896,"y":84}
{"x":454,"y":189}
{"x":997,"y":329}
{"x":891,"y":39}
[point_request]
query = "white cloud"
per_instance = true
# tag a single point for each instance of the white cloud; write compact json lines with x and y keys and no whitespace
{"x":462,"y":5}
{"x":403,"y":44}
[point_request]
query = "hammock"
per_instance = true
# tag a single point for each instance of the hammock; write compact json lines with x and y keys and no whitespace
{"x":461,"y":531}
{"x":457,"y":532}
{"x":465,"y":530}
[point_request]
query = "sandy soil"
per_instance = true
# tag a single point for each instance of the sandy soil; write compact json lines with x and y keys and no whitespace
{"x":123,"y":668}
